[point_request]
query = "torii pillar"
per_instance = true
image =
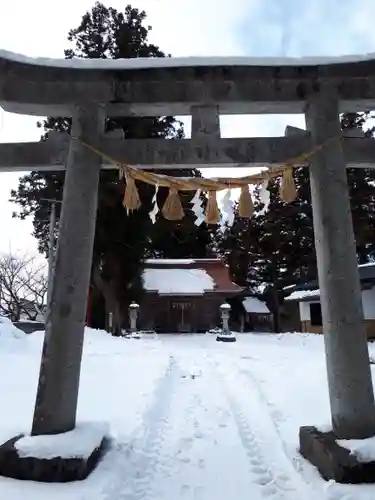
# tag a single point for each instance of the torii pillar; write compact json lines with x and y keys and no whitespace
{"x":57,"y":396}
{"x":347,"y":358}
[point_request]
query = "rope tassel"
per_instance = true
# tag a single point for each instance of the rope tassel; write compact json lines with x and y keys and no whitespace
{"x":172,"y":209}
{"x":288,"y":190}
{"x":131,"y":196}
{"x":245,"y":203}
{"x":212,"y":209}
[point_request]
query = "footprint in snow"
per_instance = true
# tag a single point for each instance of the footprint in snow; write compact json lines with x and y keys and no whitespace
{"x":263,"y":480}
{"x":185,"y":444}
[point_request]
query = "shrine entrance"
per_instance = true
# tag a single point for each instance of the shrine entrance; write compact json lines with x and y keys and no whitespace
{"x":203,"y":89}
{"x":182,"y":316}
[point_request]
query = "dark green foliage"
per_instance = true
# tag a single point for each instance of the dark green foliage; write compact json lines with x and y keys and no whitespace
{"x":122,"y":240}
{"x":275,"y":249}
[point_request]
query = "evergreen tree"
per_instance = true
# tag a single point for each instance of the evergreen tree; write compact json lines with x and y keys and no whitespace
{"x":277,"y":248}
{"x":362,"y":192}
{"x":122,"y":240}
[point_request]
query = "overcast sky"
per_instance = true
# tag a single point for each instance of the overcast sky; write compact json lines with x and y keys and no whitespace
{"x":185,"y":28}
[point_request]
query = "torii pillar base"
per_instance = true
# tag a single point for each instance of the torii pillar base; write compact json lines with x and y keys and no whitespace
{"x":333,"y":461}
{"x":52,"y":470}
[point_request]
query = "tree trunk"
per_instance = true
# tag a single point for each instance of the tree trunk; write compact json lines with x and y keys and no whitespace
{"x":273,"y":303}
{"x":112,"y":305}
{"x":362,"y":254}
{"x":276,"y":312}
{"x":16,"y":314}
{"x":117,"y":320}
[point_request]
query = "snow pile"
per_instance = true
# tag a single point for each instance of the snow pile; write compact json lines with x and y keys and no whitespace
{"x":225,"y":336}
{"x":214,"y":331}
{"x":363,"y":449}
{"x":29,"y":321}
{"x":367,"y":264}
{"x":101,"y":343}
{"x":324,"y":427}
{"x":78,"y":443}
{"x":178,"y":281}
{"x":92,"y":335}
{"x":9,"y":331}
{"x":12,"y":339}
{"x":254,"y":305}
{"x":303,"y":294}
{"x":148,"y":333}
{"x":225,"y":306}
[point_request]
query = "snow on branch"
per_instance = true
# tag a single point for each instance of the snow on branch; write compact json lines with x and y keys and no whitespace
{"x":23,"y":287}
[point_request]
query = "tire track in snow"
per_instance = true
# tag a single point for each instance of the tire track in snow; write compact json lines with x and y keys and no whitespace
{"x":304,"y":470}
{"x":131,"y":466}
{"x":268,"y":462}
{"x":201,"y":458}
{"x":276,"y":417}
{"x":274,"y":414}
{"x":330,"y":491}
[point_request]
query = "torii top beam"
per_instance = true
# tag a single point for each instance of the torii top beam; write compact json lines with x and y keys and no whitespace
{"x":170,"y":86}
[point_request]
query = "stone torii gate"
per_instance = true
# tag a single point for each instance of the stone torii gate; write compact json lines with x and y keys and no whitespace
{"x":88,"y":91}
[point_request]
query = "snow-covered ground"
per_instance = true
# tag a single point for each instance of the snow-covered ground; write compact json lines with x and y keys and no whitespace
{"x":190,"y":418}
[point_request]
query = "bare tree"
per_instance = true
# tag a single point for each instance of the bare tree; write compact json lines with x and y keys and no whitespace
{"x":23,"y":287}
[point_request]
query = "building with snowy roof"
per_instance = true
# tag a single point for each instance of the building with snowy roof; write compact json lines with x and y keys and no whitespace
{"x":307,"y":297}
{"x":184,"y":295}
{"x":257,"y":315}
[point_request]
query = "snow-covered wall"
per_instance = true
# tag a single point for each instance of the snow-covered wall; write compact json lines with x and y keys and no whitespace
{"x":304,"y":310}
{"x":175,"y":62}
{"x":368,"y":304}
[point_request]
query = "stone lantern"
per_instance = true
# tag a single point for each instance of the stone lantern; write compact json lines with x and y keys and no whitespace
{"x":133,"y":316}
{"x":226,"y":335}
